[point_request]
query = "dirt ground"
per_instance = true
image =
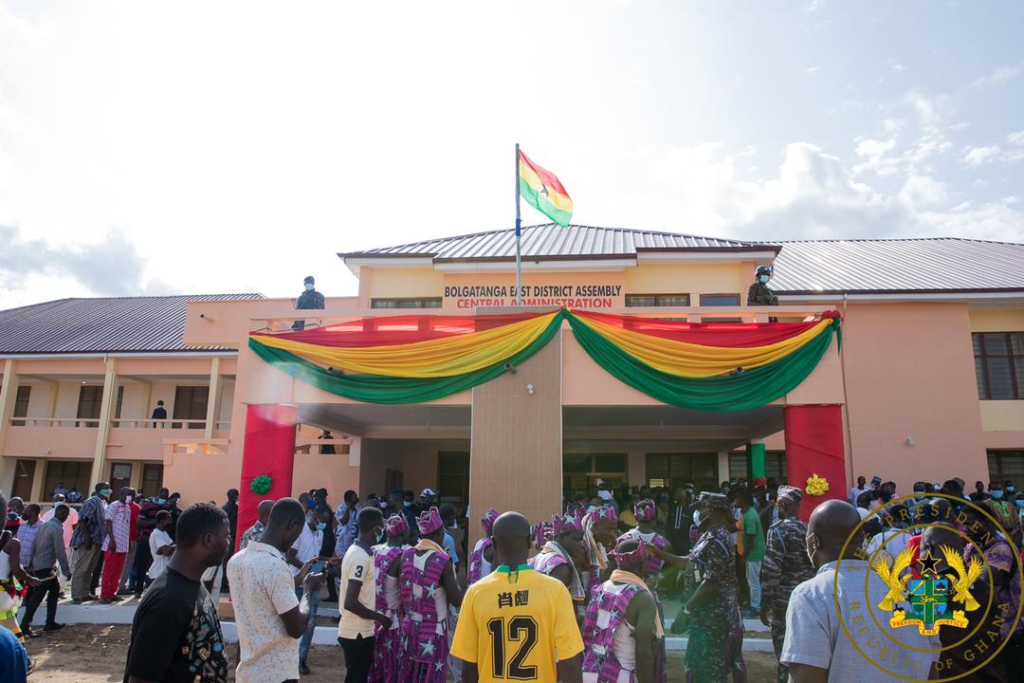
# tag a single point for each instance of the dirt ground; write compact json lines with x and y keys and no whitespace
{"x":96,"y":654}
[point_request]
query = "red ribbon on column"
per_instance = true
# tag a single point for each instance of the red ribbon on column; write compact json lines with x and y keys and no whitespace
{"x":814,"y":445}
{"x":269,"y":449}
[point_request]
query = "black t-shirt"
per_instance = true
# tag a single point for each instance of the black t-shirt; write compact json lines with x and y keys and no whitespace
{"x":176,"y":635}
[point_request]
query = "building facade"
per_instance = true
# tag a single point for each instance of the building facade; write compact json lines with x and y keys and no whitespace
{"x":929,"y":379}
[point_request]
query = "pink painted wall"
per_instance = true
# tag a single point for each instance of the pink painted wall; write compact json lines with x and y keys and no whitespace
{"x":910,"y":372}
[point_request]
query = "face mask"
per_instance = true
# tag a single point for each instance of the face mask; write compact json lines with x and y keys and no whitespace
{"x":105,"y":493}
{"x":309,"y":287}
{"x":1010,"y":489}
{"x":407,"y":503}
{"x":321,"y":526}
{"x":160,"y":501}
{"x":127,"y":499}
{"x":997,"y":494}
{"x":1019,"y":503}
{"x":918,"y":494}
{"x":696,"y":518}
{"x":764,"y":279}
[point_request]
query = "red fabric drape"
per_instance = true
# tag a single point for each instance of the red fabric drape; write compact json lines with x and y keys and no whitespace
{"x":402,"y":329}
{"x":708,"y":334}
{"x":814,"y":445}
{"x":269,"y":449}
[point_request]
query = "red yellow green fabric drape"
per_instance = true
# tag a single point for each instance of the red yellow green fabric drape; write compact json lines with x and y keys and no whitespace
{"x":720,"y":367}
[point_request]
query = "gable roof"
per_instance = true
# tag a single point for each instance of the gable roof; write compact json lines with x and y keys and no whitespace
{"x":120,"y":324}
{"x":927,"y":265}
{"x":552,"y":242}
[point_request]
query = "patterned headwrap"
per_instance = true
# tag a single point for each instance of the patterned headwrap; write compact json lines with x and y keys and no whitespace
{"x":645,"y":510}
{"x":396,"y":525}
{"x":603,"y":513}
{"x":429,"y":522}
{"x":566,"y":524}
{"x":638,"y":556}
{"x":542,"y":533}
{"x":488,"y":520}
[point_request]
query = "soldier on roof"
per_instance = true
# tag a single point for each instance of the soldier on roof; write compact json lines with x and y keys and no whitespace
{"x":760,"y":294}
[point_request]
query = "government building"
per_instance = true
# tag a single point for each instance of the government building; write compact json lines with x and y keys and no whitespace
{"x":897,"y":358}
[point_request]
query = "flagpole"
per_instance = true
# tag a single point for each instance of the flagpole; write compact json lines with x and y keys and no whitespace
{"x":519,"y":234}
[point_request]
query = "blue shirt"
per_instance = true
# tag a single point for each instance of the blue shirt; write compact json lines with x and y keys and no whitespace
{"x":13,"y":658}
{"x":449,"y":547}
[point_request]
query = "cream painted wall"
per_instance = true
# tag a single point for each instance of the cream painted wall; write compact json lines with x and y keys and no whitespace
{"x":399,"y":283}
{"x":1003,"y":416}
{"x":997,"y":319}
{"x":416,"y":459}
{"x":716,"y":278}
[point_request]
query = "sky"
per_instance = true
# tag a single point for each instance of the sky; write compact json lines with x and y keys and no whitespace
{"x":218,"y":147}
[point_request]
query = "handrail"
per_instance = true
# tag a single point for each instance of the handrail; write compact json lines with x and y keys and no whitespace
{"x":146,"y":423}
{"x":688,"y":313}
{"x":53,"y":422}
{"x":117,"y":422}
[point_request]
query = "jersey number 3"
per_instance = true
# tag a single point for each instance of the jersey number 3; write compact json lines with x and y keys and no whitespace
{"x":521,"y":630}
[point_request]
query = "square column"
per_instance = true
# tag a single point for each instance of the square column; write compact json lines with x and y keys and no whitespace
{"x":516,"y":453}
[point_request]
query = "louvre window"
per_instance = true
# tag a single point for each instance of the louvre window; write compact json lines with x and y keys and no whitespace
{"x":999,"y":363}
{"x":425,"y":302}
{"x":638,"y":300}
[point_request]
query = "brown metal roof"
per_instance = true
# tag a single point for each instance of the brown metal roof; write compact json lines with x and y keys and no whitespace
{"x":553,"y":242}
{"x":128,"y":324}
{"x":934,"y":265}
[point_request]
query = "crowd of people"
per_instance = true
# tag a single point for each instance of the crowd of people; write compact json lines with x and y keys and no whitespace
{"x":579,"y":597}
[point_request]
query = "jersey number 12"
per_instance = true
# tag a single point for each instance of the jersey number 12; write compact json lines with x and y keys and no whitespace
{"x":520,"y":630}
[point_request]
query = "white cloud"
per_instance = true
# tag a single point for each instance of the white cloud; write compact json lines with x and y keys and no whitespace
{"x":960,"y":125}
{"x":1002,"y":74}
{"x":922,"y":191}
{"x":893,"y":125}
{"x":1016,"y":138}
{"x":812,"y":69}
{"x":976,"y":156}
{"x":876,"y":158}
{"x":814,"y":5}
{"x":898,"y":68}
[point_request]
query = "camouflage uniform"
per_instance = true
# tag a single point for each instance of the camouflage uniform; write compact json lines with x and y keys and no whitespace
{"x":711,"y":559}
{"x":761,"y":295}
{"x":784,"y":567}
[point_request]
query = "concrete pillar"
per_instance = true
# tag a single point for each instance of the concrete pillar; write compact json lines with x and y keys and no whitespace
{"x":8,"y":396}
{"x":516,"y":453}
{"x":99,"y":459}
{"x":213,"y":403}
{"x":723,"y":467}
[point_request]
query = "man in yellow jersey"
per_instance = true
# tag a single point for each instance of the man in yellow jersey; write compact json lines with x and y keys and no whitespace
{"x":517,"y":624}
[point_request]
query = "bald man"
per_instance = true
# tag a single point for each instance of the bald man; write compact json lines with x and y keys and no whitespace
{"x":817,"y":647}
{"x":515,"y":619}
{"x":254,"y":532}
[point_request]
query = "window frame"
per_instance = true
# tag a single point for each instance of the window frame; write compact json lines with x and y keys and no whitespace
{"x":998,"y":473}
{"x":657,"y":303}
{"x":423,"y":302}
{"x":982,"y":367}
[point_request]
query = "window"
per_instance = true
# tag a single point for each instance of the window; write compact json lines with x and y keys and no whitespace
{"x":74,"y":473}
{"x":424,"y":302}
{"x":120,"y":403}
{"x":999,"y":363}
{"x":774,"y":466}
{"x":634,"y":300}
{"x":90,"y":399}
{"x":190,"y":404}
{"x":453,"y":471}
{"x":581,"y":470}
{"x":120,"y":475}
{"x":21,"y":405}
{"x":152,"y":478}
{"x":719,"y":299}
{"x":676,"y":469}
{"x":24,"y":478}
{"x":1007,"y":466}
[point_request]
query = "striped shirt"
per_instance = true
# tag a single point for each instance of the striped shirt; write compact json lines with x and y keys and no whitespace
{"x":119,"y":514}
{"x":93,"y":511}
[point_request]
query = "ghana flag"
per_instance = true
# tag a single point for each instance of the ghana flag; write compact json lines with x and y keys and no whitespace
{"x":543,"y":191}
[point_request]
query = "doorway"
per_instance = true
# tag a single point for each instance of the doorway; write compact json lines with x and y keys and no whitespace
{"x":120,"y":476}
{"x":580,"y":471}
{"x":24,"y":478}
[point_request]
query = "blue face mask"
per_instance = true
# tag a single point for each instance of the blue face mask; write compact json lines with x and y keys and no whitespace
{"x":407,"y":503}
{"x":1020,"y":504}
{"x":997,"y":494}
{"x":1010,"y":489}
{"x":764,"y":279}
{"x":321,"y":526}
{"x":161,"y":501}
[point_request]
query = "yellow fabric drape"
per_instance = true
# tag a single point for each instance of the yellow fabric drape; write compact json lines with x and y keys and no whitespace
{"x":694,"y":360}
{"x":426,"y":359}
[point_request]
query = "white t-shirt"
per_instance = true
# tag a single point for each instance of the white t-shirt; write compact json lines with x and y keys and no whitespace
{"x":307,"y":546}
{"x":262,"y":589}
{"x":158,"y":539}
{"x":357,"y":566}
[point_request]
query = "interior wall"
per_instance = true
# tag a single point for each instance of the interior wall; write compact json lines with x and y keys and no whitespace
{"x":415,"y":458}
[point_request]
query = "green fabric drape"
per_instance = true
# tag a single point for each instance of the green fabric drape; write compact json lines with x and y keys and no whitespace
{"x":725,"y":393}
{"x":395,"y":390}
